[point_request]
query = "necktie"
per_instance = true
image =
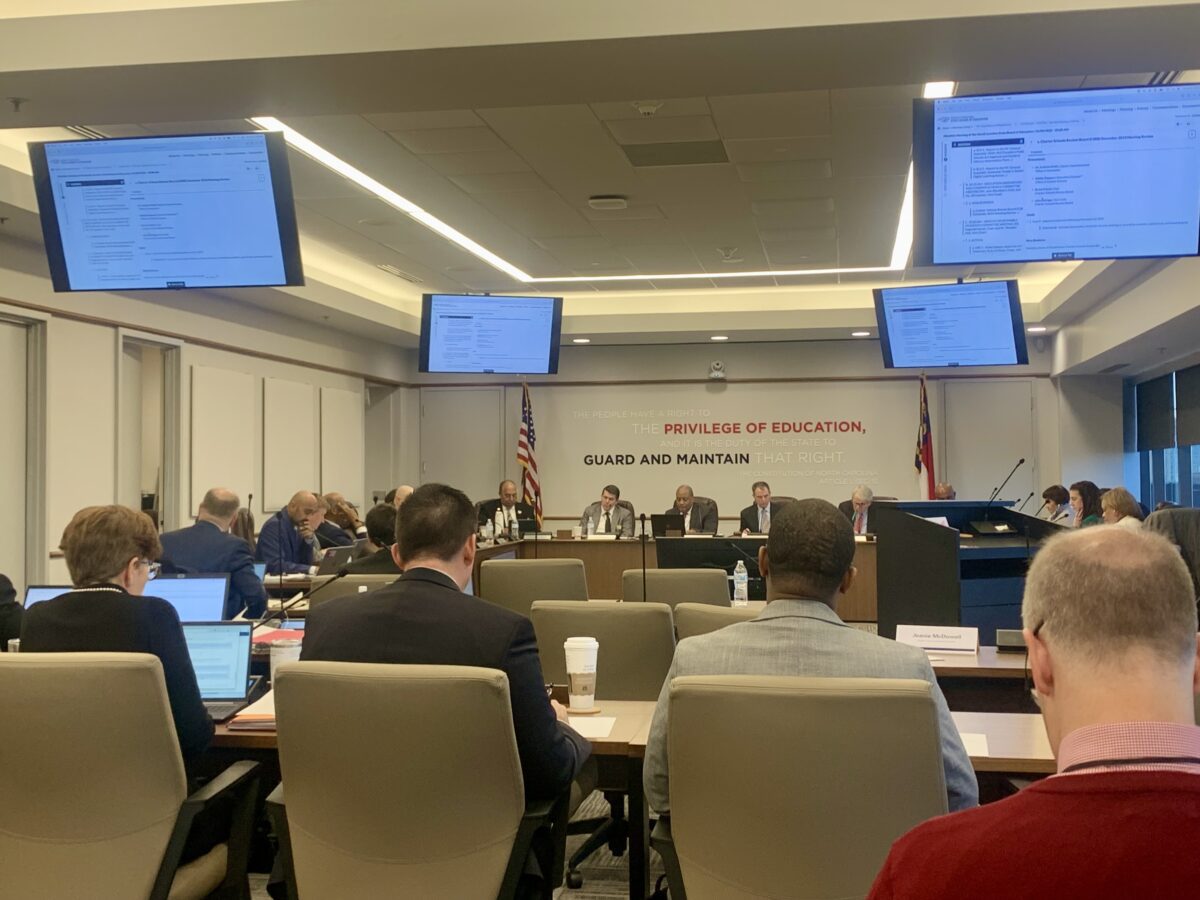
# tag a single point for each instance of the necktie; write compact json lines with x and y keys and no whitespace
{"x":858,"y":523}
{"x":764,"y":520}
{"x":607,"y":524}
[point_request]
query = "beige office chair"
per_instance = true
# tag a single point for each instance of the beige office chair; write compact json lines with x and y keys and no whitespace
{"x":637,"y":643}
{"x":517,"y":583}
{"x":796,"y":787}
{"x":399,"y":781}
{"x":692,"y":619}
{"x":93,"y":797}
{"x":343,"y":587}
{"x":673,"y":586}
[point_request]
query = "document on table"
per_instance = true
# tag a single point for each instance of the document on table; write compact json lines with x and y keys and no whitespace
{"x":975,"y":744}
{"x":593,"y":726}
{"x":258,"y":716}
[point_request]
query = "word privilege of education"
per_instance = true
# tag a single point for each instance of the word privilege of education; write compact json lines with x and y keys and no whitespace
{"x":838,"y":426}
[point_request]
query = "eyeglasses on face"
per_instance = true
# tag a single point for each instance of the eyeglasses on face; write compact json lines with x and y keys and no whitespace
{"x":152,"y":568}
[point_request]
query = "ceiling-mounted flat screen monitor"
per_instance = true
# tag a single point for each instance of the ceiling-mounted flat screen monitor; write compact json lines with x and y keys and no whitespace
{"x":930,"y":326}
{"x":1106,"y":173}
{"x":160,"y":213}
{"x":490,"y":335}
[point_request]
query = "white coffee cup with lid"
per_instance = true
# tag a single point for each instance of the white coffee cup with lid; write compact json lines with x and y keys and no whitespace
{"x":581,"y":672}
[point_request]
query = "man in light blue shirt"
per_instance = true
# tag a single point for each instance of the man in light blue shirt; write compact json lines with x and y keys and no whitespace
{"x":807,"y":564}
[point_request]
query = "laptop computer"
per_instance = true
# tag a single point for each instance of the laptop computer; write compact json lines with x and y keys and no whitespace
{"x":527,"y":526}
{"x":220,"y":653}
{"x":36,"y":593}
{"x":197,"y":598}
{"x":661,"y":523}
{"x":335,"y":558}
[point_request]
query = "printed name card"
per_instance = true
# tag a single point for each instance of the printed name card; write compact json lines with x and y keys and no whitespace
{"x":939,"y":637}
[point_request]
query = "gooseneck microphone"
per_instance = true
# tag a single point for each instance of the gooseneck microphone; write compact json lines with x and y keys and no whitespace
{"x":281,"y":613}
{"x":643,"y":518}
{"x":1026,"y":500}
{"x":996,"y":492}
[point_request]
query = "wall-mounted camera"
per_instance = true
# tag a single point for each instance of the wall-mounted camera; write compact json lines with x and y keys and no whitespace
{"x":716,"y":370}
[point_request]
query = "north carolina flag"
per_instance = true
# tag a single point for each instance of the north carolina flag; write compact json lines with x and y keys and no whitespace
{"x":531,"y":486}
{"x":923,"y":461}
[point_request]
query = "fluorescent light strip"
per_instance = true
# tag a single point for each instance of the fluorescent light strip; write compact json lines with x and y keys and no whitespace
{"x":387,"y":195}
{"x":900,"y":250}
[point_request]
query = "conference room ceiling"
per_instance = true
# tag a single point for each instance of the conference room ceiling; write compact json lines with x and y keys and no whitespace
{"x":731,"y":159}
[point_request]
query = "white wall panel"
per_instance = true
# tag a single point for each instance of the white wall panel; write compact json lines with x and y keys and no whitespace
{"x":291,"y":440}
{"x":988,"y":427}
{"x":223,"y":403}
{"x":342,"y":453}
{"x":13,"y":340}
{"x":462,"y":435}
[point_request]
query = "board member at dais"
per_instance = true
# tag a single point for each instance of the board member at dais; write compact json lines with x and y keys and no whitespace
{"x":606,"y":516}
{"x":697,"y":519}
{"x":756,"y":518}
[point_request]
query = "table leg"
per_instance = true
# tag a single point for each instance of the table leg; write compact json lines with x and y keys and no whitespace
{"x":639,"y":834}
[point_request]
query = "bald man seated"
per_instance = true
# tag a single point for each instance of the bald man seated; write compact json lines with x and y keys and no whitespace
{"x":697,"y":518}
{"x":208,"y":547}
{"x":943,"y":490}
{"x":287,"y":542}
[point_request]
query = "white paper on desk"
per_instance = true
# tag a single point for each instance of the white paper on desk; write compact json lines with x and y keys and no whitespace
{"x":592,"y":726}
{"x":975,"y":744}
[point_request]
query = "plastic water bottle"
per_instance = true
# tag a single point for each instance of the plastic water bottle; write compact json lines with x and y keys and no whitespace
{"x":499,"y":527}
{"x":741,"y":585}
{"x":488,"y":531}
{"x":591,"y":527}
{"x":516,"y":530}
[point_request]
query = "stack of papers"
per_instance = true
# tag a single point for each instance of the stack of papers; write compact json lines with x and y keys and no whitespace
{"x":258,"y":716}
{"x":593,"y":727}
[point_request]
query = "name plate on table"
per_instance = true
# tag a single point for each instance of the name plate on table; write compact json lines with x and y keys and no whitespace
{"x":944,"y":638}
{"x":602,"y":537}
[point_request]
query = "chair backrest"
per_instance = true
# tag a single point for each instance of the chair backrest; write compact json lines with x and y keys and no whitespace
{"x":625,"y":504}
{"x":797,"y":787}
{"x":637,"y":643}
{"x":351,"y":584}
{"x":92,"y":779}
{"x":516,"y":583}
{"x":673,"y":586}
{"x":1181,"y":527}
{"x":399,"y":781}
{"x":781,"y":499}
{"x":692,"y":619}
{"x":708,"y":502}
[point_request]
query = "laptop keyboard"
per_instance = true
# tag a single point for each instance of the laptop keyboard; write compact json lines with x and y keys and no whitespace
{"x":220,"y":711}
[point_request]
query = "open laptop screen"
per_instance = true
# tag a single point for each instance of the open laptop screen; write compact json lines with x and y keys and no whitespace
{"x":36,"y":593}
{"x":220,"y":653}
{"x":197,"y":598}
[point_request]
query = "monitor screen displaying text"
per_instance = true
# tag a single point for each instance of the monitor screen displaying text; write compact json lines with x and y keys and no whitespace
{"x":501,"y":335}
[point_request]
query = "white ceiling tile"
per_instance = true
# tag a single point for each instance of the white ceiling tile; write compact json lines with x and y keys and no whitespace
{"x":779,"y":149}
{"x":800,"y":213}
{"x":496,"y":182}
{"x":661,"y":259}
{"x":785,"y":171}
{"x":442,"y":118}
{"x":888,"y":95}
{"x":869,"y":142}
{"x":633,"y":211}
{"x":797,"y":235}
{"x":536,"y":212}
{"x":448,"y":140}
{"x":799,"y":254}
{"x":627,"y":109}
{"x":665,"y":130}
{"x":482,"y":163}
{"x":311,"y":180}
{"x":791,"y":114}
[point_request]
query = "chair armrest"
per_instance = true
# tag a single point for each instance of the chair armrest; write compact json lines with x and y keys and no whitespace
{"x":226,"y":782}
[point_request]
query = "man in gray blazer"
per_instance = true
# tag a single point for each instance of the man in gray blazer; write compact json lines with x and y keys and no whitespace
{"x":807,"y":563}
{"x":606,"y":516}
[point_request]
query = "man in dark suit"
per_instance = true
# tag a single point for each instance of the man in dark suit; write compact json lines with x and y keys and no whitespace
{"x":756,"y":518}
{"x":508,"y":506}
{"x":425,"y":618}
{"x":381,"y":532}
{"x":857,"y":508}
{"x":208,"y":547}
{"x":288,"y":541}
{"x":10,"y":613}
{"x":697,"y":519}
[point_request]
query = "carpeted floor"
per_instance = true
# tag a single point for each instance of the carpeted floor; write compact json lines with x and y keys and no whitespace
{"x":604,"y":876}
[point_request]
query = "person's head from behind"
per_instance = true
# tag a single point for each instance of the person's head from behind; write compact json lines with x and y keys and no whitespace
{"x":243,"y":526}
{"x":684,"y":498}
{"x":111,"y":545}
{"x":305,"y":508}
{"x":436,"y":528}
{"x":809,"y":552}
{"x":1085,"y":500}
{"x":762,"y":494}
{"x":1110,"y":623}
{"x":508,"y":493}
{"x":609,"y":497}
{"x":220,"y":507}
{"x":381,"y":525}
{"x":339,"y":510}
{"x":1056,"y":496}
{"x":861,"y":498}
{"x":1117,"y":503}
{"x":399,"y":495}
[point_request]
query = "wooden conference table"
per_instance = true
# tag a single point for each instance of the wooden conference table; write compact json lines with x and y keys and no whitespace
{"x":1016,"y":744}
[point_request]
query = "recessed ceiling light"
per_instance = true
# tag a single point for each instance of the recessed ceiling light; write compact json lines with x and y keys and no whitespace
{"x":719,"y":337}
{"x":1036,"y":329}
{"x":937,"y":90}
{"x":581,"y":340}
{"x":860,"y":334}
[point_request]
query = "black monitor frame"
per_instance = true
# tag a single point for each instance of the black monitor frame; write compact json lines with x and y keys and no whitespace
{"x":555,"y":332}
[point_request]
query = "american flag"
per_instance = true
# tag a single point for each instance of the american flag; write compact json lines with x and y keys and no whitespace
{"x":531,"y":486}
{"x":923,"y":462}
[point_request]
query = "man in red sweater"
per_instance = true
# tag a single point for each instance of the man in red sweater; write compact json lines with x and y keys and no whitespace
{"x":1110,"y":623}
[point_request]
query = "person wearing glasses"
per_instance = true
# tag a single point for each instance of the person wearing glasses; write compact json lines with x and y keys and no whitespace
{"x":1110,"y":626}
{"x":287,"y":542}
{"x":111,"y":553}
